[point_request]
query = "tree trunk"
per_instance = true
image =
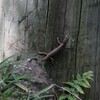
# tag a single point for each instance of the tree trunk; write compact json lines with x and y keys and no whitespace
{"x":33,"y":26}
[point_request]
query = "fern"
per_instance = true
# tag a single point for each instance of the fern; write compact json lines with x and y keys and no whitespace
{"x":76,"y":87}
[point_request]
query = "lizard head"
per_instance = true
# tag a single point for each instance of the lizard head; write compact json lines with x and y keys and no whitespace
{"x":65,"y":39}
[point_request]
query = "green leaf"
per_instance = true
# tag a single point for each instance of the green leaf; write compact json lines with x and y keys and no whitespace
{"x":43,"y":97}
{"x":77,"y":87}
{"x":28,"y":97}
{"x":79,"y":77}
{"x":4,"y":65}
{"x":70,"y":97}
{"x":81,"y":83}
{"x":75,"y":93}
{"x":8,"y":92}
{"x":90,"y":73}
{"x":22,"y":87}
{"x":72,"y":90}
{"x":62,"y":97}
{"x":86,"y":81}
{"x":16,"y":78}
{"x":44,"y":90}
{"x":6,"y":60}
{"x":89,"y":77}
{"x":19,"y":77}
{"x":6,"y":75}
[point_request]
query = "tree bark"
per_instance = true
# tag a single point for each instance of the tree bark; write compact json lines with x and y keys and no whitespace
{"x":30,"y":26}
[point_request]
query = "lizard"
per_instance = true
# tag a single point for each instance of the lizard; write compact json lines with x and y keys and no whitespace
{"x":53,"y":52}
{"x":56,"y":50}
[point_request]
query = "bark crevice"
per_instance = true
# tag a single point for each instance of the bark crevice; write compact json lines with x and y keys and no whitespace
{"x":77,"y":36}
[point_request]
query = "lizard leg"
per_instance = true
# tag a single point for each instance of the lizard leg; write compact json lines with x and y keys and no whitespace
{"x":42,"y":53}
{"x":51,"y":59}
{"x":33,"y":59}
{"x":45,"y":54}
{"x":58,"y":41}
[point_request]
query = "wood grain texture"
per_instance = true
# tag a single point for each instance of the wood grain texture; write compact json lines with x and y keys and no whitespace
{"x":41,"y":22}
{"x":87,"y":44}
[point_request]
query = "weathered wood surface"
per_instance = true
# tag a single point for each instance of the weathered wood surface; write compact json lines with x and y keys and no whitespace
{"x":45,"y":21}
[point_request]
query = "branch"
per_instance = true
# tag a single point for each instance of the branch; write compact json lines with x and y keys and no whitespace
{"x":68,"y":92}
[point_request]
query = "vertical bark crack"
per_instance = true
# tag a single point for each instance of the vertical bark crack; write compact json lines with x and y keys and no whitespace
{"x":47,"y":19}
{"x":77,"y":37}
{"x":65,"y":16}
{"x":47,"y":15}
{"x":95,"y":69}
{"x":96,"y":96}
{"x":26,"y":47}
